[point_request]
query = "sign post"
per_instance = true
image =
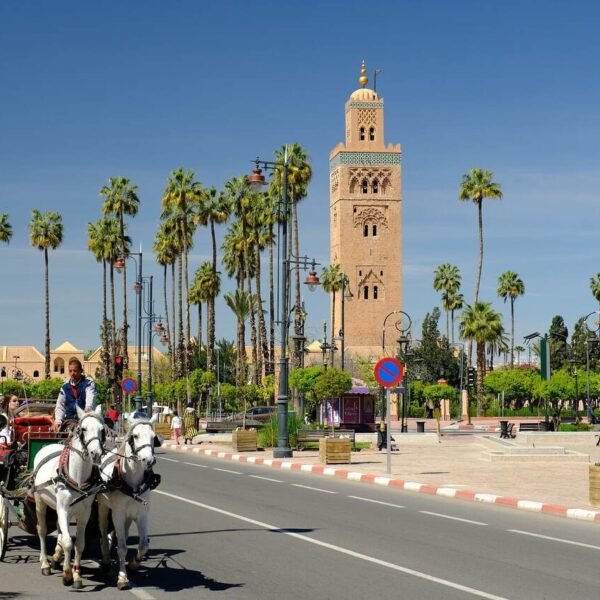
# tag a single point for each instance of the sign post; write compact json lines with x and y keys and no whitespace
{"x":388,"y":373}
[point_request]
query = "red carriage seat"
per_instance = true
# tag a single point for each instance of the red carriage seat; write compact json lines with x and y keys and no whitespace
{"x":31,"y":424}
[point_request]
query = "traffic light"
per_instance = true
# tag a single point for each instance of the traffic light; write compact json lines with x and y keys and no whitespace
{"x":119,"y":368}
{"x":471,"y":371}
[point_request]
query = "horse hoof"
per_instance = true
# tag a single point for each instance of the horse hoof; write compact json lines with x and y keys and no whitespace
{"x":134,"y":565}
{"x":123,"y":585}
{"x":46,"y":571}
{"x":77,"y":584}
{"x":67,"y":581}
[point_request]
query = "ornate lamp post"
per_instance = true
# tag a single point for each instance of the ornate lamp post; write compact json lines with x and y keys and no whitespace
{"x":256,"y":182}
{"x":342,"y":334}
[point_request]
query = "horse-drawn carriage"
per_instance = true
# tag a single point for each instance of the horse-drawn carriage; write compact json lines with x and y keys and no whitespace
{"x":49,"y":479}
{"x":32,"y":431}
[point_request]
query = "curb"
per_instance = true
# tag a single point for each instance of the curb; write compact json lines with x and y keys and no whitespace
{"x":410,"y":486}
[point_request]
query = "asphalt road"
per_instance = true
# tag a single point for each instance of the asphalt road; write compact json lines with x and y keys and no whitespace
{"x":223,"y":530}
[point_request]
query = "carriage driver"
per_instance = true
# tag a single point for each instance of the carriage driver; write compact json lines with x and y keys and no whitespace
{"x":79,"y":390}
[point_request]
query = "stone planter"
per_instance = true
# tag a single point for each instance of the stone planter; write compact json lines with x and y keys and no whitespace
{"x":244,"y":440}
{"x":334,"y":450}
{"x":594,"y":485}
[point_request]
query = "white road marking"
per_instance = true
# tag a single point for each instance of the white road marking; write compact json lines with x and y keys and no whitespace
{"x":434,"y":514}
{"x":195,"y":465}
{"x":340,"y":549}
{"x":226,"y":471}
{"x":139,"y":592}
{"x":376,"y":501}
{"x":554,"y":539}
{"x":169,"y":459}
{"x":314,"y":489}
{"x":266,"y":478}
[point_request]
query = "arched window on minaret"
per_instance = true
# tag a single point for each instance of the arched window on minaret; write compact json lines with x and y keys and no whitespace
{"x":375,"y":186}
{"x":365,"y":186}
{"x":372,"y":134}
{"x":361,"y":134}
{"x":375,"y":292}
{"x":366,"y":292}
{"x":366,"y":231}
{"x":374,"y":230}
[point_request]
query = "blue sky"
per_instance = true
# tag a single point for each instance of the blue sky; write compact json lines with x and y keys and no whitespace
{"x":92,"y":90}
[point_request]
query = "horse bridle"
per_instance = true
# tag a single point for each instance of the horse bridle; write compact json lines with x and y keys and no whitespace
{"x":131,"y":441}
{"x":78,"y":433}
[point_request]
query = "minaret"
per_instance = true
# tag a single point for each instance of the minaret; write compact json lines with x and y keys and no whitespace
{"x":366,"y":224}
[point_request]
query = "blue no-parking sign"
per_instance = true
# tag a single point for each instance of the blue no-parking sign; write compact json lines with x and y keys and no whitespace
{"x":389,"y":372}
{"x":129,"y":385}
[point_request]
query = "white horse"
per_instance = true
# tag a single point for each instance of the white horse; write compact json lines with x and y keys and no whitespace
{"x":128,"y":471}
{"x":62,"y":474}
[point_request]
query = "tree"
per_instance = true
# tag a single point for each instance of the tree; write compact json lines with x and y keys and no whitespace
{"x":481,"y":324}
{"x":519,"y":350}
{"x":304,"y":382}
{"x":333,"y":383}
{"x":299,"y":176}
{"x":447,"y":280}
{"x":453,"y":303}
{"x":46,"y":232}
{"x":517,"y":385}
{"x":510,"y":285}
{"x":207,"y":284}
{"x":331,"y":280}
{"x":595,"y":287}
{"x":166,"y":255}
{"x":180,"y":198}
{"x":214,"y":208}
{"x":5,"y":229}
{"x":476,"y":186}
{"x":239,"y":302}
{"x":559,"y":351}
{"x":121,"y":199}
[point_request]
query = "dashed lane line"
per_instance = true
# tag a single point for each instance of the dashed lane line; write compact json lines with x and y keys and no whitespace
{"x":554,"y":539}
{"x":341,"y":550}
{"x":434,"y":514}
{"x":266,"y":478}
{"x":376,"y":501}
{"x":227,"y":471}
{"x":314,"y":489}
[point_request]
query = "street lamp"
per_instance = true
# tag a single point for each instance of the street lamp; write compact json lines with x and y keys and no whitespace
{"x":342,"y":335}
{"x":403,"y":344}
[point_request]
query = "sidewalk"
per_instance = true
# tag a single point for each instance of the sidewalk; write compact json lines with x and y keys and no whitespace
{"x":455,"y":467}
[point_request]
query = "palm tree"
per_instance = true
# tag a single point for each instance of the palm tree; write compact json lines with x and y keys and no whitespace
{"x":476,"y":186}
{"x":518,"y":350}
{"x":121,"y":199}
{"x":239,"y":302}
{"x":454,"y":302}
{"x":208,"y":284}
{"x":166,"y":255}
{"x":447,"y":280}
{"x":46,"y":231}
{"x":331,"y":280}
{"x":270,"y":219}
{"x":214,"y":208}
{"x":241,"y":198}
{"x":510,"y":285}
{"x":197,"y":298}
{"x":595,"y":287}
{"x":5,"y":229}
{"x":179,"y":200}
{"x":481,"y":324}
{"x":299,"y":176}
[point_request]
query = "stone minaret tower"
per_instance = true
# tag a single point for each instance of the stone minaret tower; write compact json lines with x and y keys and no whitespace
{"x":366,"y":225}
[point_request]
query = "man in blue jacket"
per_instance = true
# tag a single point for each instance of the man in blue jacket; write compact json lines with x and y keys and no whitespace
{"x":79,"y":390}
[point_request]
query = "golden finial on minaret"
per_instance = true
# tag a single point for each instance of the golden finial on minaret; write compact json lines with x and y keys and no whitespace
{"x":363,"y":79}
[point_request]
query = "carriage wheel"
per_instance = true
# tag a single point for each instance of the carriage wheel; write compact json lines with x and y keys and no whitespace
{"x":3,"y":526}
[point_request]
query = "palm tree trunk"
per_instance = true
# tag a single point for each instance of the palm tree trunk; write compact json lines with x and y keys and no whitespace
{"x":180,"y":365}
{"x":199,"y":327}
{"x":165,"y":300}
{"x":262,"y":328}
{"x":105,"y":348}
{"x":187,"y":301}
{"x":210,"y":351}
{"x":271,"y":307}
{"x":174,"y":311}
{"x":512,"y":334}
{"x":480,"y":375}
{"x":298,"y":298}
{"x":452,"y":323}
{"x":47,"y":358}
{"x":331,"y":351}
{"x":447,"y":324}
{"x":113,"y":315}
{"x":124,"y":256}
{"x":480,"y":219}
{"x":253,"y":337}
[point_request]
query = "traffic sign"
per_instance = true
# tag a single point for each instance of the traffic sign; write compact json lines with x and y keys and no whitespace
{"x":389,"y":372}
{"x":129,"y":385}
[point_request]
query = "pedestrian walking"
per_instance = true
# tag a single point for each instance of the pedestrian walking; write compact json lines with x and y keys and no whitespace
{"x":176,"y":427}
{"x":189,"y":424}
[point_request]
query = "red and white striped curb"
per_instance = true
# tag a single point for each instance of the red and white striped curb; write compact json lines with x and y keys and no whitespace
{"x":411,"y":486}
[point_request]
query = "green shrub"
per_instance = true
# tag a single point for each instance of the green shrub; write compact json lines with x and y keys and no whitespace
{"x":267,"y":436}
{"x":574,"y":427}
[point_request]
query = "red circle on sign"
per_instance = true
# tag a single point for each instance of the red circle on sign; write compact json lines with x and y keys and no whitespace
{"x":129,"y":385}
{"x":389,"y":371}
